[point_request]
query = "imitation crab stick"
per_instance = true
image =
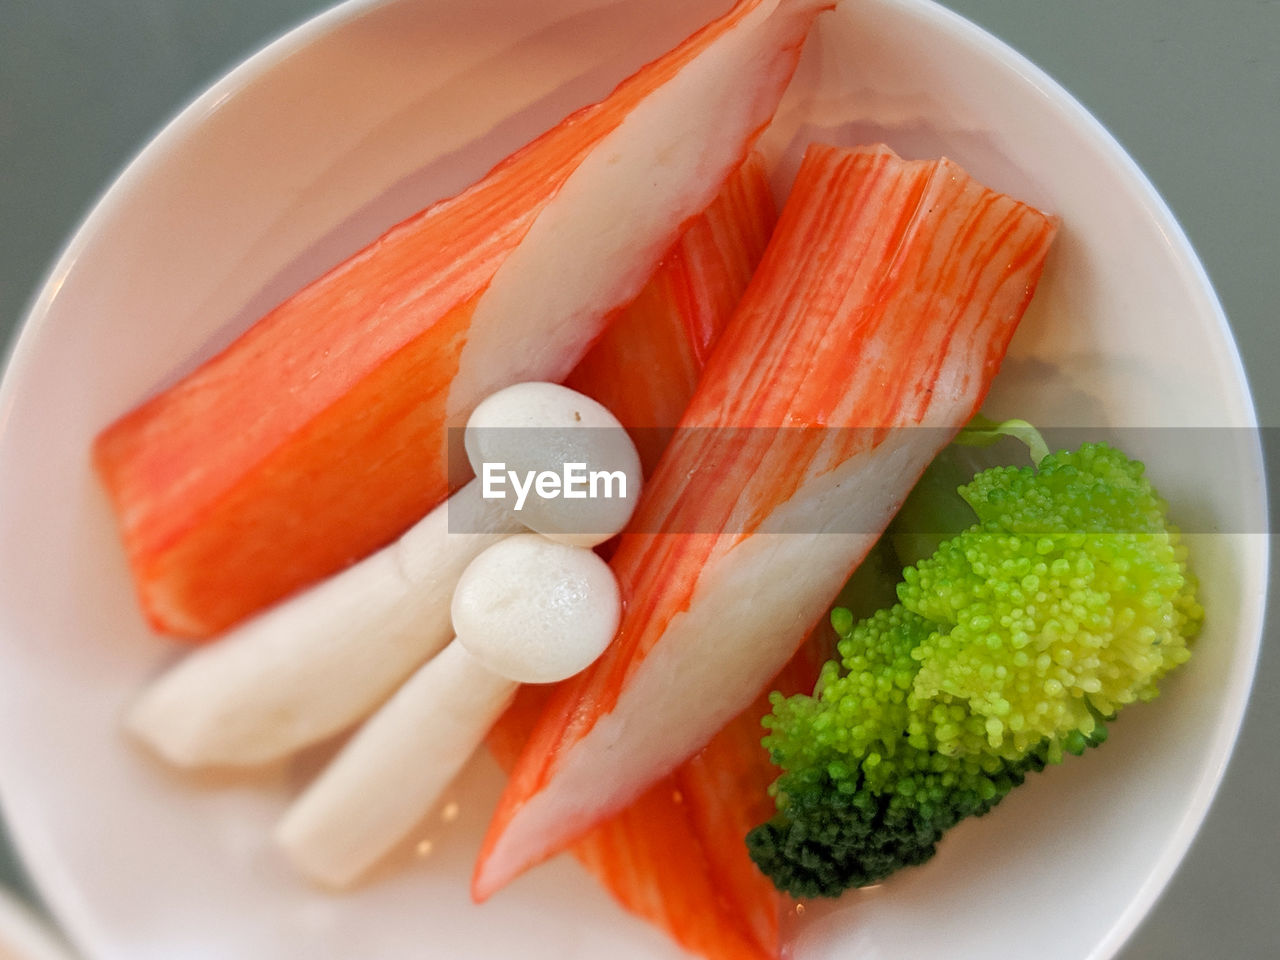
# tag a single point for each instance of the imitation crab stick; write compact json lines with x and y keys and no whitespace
{"x":336,"y":404}
{"x":326,"y":657}
{"x":675,"y":855}
{"x":885,"y":302}
{"x":646,"y":364}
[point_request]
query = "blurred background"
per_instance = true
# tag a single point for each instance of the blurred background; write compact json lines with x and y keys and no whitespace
{"x":1191,"y":89}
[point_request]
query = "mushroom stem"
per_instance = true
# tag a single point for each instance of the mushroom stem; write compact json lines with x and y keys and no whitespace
{"x":394,"y":769}
{"x":526,"y":609}
{"x":319,"y":662}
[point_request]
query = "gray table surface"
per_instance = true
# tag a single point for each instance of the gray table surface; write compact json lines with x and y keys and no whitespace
{"x":1190,"y":87}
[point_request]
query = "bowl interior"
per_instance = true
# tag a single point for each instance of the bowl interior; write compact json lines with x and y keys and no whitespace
{"x":374,"y":110}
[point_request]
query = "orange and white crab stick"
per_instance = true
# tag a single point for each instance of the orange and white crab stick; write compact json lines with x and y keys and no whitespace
{"x":869,"y":335}
{"x":337,"y":404}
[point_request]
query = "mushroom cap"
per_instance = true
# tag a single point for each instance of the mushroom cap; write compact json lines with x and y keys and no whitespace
{"x":534,"y":610}
{"x":534,"y":429}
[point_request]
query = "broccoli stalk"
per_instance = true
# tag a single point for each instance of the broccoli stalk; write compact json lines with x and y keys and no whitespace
{"x":1014,"y":643}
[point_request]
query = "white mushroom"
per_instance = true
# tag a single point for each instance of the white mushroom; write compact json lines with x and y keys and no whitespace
{"x":526,"y":609}
{"x":560,"y":460}
{"x":536,"y":611}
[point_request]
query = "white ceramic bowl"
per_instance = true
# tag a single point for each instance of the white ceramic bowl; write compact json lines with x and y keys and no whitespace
{"x":366,"y":114}
{"x":24,"y":936}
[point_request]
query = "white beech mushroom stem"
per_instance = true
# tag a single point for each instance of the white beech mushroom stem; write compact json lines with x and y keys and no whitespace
{"x":394,"y":769}
{"x":525,"y":609}
{"x":321,"y":661}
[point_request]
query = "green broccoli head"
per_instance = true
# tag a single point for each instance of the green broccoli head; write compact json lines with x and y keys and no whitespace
{"x":836,"y":835}
{"x":1009,"y":646}
{"x":864,"y":789}
{"x":1070,"y":598}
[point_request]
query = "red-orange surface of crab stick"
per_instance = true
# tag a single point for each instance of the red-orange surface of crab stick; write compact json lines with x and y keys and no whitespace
{"x":321,"y":433}
{"x":646,"y":365}
{"x":869,"y":335}
{"x":675,"y":856}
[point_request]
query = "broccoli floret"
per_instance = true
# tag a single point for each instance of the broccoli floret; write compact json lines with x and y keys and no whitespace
{"x":1010,"y":646}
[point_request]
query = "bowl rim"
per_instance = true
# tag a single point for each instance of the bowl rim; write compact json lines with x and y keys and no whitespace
{"x":23,"y":930}
{"x":1240,"y":680}
{"x":74,"y":918}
